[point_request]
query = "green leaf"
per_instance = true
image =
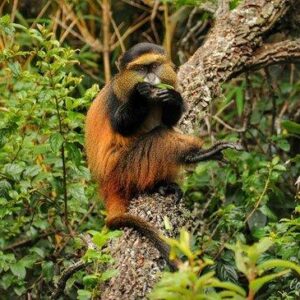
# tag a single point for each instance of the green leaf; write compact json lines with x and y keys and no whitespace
{"x":291,"y":127}
{"x":164,"y":86}
{"x":239,"y":101}
{"x":275,"y":160}
{"x":167,"y":223}
{"x":74,"y":154}
{"x":18,"y":270}
{"x":279,"y":167}
{"x":100,"y":239}
{"x":227,"y":272}
{"x":56,"y":140}
{"x":261,"y":247}
{"x":48,"y":270}
{"x":92,"y":254}
{"x":233,"y":4}
{"x":109,"y":274}
{"x":14,"y":170}
{"x":267,"y":212}
{"x":90,"y":280}
{"x":20,"y":290}
{"x":15,"y":68}
{"x":84,"y":295}
{"x":38,"y":251}
{"x":257,"y":220}
{"x":278,"y":263}
{"x":256,"y":284}
{"x":284,"y":145}
{"x":229,"y":286}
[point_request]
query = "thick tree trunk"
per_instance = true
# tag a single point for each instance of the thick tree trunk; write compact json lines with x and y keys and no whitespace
{"x":234,"y":45}
{"x":138,"y":262}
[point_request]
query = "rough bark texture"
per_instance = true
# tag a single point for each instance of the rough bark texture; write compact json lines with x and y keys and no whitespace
{"x":138,"y":262}
{"x":275,"y":53}
{"x":234,"y":45}
{"x":229,"y":46}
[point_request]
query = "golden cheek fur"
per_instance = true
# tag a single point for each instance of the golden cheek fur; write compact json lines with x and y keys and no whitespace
{"x":124,"y":82}
{"x":167,"y":74}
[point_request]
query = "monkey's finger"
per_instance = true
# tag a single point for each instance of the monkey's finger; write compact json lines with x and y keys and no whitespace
{"x":163,"y":92}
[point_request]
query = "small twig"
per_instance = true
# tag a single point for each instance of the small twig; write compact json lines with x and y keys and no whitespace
{"x":63,"y":159}
{"x":273,"y":97}
{"x":219,"y":120}
{"x":40,"y":14}
{"x":129,"y":31}
{"x":153,"y":15}
{"x":118,"y":34}
{"x":260,"y":197}
{"x":67,"y":31}
{"x":137,"y":5}
{"x":65,"y":276}
{"x":14,"y":10}
{"x":250,"y":214}
{"x":28,"y":241}
{"x":167,"y":39}
{"x":106,"y":37}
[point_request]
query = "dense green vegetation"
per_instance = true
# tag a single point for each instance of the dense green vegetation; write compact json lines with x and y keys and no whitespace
{"x":248,"y":233}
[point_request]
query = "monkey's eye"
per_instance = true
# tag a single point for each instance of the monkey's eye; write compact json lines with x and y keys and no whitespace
{"x":154,"y":66}
{"x":140,"y":68}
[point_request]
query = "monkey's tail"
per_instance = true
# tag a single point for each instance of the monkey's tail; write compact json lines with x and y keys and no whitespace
{"x":146,"y":229}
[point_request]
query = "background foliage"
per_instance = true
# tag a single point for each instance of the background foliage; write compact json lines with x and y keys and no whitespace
{"x":47,"y":198}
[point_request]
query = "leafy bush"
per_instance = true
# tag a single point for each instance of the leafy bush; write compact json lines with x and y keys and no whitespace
{"x":45,"y":188}
{"x":190,"y":282}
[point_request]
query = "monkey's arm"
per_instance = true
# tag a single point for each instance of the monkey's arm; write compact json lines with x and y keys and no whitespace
{"x":127,"y":117}
{"x":172,"y":106}
{"x":213,"y":153}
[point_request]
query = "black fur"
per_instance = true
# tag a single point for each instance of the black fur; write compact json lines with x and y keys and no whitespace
{"x":137,"y":51}
{"x":126,"y":118}
{"x":167,"y":188}
{"x":173,"y":106}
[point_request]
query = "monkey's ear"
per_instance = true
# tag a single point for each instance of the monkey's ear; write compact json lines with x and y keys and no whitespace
{"x":117,"y":63}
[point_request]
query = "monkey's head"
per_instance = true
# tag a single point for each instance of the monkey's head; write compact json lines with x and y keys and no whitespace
{"x":148,"y":62}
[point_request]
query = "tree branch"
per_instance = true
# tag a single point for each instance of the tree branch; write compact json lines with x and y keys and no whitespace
{"x":230,"y":44}
{"x":275,"y":53}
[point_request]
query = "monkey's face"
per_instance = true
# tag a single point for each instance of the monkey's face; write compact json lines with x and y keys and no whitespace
{"x":143,"y":62}
{"x":153,"y":68}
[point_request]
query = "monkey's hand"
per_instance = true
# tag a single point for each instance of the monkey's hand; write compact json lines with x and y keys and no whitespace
{"x":169,"y":97}
{"x":146,"y":90}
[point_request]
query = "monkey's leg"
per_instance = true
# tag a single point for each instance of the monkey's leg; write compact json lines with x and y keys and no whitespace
{"x":166,"y":188}
{"x":212,"y":153}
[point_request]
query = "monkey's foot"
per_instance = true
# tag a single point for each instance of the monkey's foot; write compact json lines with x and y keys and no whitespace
{"x":168,"y":188}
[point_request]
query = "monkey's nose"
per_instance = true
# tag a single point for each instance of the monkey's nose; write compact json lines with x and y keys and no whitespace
{"x":152,"y":79}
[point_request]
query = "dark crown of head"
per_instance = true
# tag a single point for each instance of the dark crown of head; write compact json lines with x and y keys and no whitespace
{"x":138,"y":50}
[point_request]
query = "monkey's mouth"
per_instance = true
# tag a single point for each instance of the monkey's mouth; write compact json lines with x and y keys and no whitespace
{"x":152,"y":79}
